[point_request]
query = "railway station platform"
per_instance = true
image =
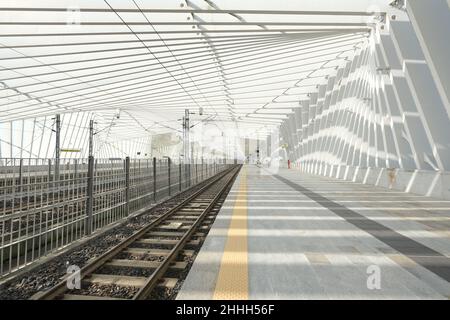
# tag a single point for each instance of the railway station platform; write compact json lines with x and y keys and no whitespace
{"x":289,"y":235}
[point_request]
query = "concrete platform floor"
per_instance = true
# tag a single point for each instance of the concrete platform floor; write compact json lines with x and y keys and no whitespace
{"x":294,"y":236}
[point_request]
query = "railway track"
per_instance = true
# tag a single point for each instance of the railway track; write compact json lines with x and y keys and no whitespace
{"x":134,"y":268}
{"x":39,"y":218}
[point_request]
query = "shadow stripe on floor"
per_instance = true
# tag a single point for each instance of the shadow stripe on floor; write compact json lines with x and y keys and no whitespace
{"x":421,"y":254}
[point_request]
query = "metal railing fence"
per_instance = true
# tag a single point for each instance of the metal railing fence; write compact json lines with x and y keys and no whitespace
{"x":45,"y":206}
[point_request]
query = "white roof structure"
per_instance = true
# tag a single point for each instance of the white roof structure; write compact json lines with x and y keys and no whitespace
{"x":246,"y":64}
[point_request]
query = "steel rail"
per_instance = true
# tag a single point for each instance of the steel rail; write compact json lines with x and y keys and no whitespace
{"x":181,"y":101}
{"x":88,"y":269}
{"x":151,"y":52}
{"x":39,"y":222}
{"x":9,"y":212}
{"x":152,"y":281}
{"x":331,"y":59}
{"x":133,"y":94}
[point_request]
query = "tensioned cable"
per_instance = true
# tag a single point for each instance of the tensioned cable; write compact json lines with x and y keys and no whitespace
{"x":260,"y":121}
{"x":213,"y":82}
{"x":51,"y":104}
{"x":235,"y":94}
{"x":248,"y":120}
{"x":330,"y":53}
{"x":129,"y":56}
{"x":255,"y":85}
{"x":220,"y":85}
{"x":135,"y":73}
{"x":92,"y":67}
{"x":284,"y":102}
{"x":124,"y":75}
{"x":46,"y":89}
{"x":190,"y":61}
{"x":239,"y":111}
{"x":128,"y":26}
{"x":261,"y":78}
{"x":181,"y":65}
{"x":224,"y":55}
{"x":239,"y":102}
{"x":235,"y":101}
{"x":71,"y":53}
{"x":242,"y":106}
{"x":68,"y":44}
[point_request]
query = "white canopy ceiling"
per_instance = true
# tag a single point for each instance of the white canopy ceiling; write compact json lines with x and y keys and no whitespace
{"x":138,"y":64}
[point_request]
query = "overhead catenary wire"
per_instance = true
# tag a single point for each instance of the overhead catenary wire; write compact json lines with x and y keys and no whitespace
{"x":174,"y":56}
{"x":143,"y":43}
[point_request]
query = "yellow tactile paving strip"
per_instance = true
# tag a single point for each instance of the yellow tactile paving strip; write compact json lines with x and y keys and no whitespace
{"x":232,"y":280}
